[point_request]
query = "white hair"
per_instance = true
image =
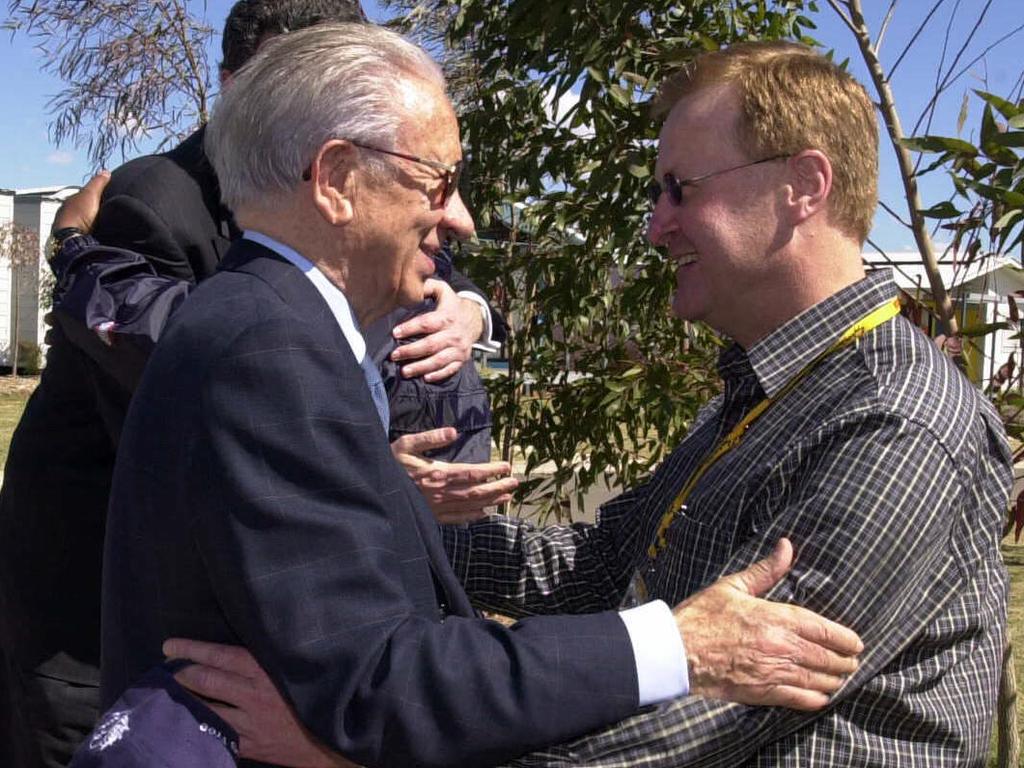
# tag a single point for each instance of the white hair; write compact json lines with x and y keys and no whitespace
{"x":299,"y":91}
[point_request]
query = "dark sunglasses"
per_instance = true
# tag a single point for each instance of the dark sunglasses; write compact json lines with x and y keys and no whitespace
{"x":674,"y":186}
{"x":452,"y":173}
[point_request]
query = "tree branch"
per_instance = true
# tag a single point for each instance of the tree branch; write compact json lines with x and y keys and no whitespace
{"x":913,"y":39}
{"x":895,"y":215}
{"x":842,"y":15}
{"x":887,"y":106}
{"x":885,"y":25}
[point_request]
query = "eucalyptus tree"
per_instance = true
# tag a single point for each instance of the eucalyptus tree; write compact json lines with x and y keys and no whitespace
{"x":130,"y":69}
{"x":554,"y":102}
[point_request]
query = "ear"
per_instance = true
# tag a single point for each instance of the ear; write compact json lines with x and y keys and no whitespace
{"x":226,"y":76}
{"x":810,"y":174}
{"x":331,"y":176}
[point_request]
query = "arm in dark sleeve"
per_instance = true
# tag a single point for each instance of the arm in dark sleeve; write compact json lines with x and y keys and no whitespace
{"x":883,"y":521}
{"x":305,"y":524}
{"x":113,"y":302}
{"x":499,"y":329}
{"x":514,"y":567}
{"x":128,"y":222}
{"x":112,"y":305}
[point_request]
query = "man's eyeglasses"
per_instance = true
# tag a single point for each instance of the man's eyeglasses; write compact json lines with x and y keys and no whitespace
{"x":674,"y":186}
{"x":452,"y":173}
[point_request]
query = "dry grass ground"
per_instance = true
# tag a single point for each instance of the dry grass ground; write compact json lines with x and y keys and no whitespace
{"x":14,"y":392}
{"x":1013,"y":554}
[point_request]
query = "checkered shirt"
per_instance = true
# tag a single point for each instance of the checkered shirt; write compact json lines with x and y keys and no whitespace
{"x":890,"y":474}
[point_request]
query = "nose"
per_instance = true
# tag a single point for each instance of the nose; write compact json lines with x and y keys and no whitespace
{"x":661,"y":224}
{"x":457,"y":220}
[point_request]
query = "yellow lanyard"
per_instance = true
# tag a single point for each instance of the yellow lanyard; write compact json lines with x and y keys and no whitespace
{"x":871,"y":320}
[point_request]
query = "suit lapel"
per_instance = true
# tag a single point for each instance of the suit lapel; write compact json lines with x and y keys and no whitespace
{"x":302,"y":296}
{"x":294,"y":288}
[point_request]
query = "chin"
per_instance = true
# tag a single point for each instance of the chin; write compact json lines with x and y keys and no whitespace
{"x":688,"y":313}
{"x":412,"y":298}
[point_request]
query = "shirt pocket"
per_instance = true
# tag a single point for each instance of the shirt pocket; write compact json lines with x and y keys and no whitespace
{"x":704,"y":546}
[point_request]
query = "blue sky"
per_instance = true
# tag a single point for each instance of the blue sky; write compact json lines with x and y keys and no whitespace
{"x":30,"y":160}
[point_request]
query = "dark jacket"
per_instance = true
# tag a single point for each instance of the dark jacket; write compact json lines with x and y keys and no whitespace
{"x":256,"y":501}
{"x":57,"y":478}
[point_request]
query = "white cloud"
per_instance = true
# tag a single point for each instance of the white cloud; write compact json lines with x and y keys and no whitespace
{"x":59,"y":157}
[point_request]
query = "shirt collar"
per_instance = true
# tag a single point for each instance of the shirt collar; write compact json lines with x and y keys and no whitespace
{"x":335,"y":299}
{"x":781,"y":354}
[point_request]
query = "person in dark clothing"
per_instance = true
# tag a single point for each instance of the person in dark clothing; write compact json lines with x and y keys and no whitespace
{"x":56,"y":486}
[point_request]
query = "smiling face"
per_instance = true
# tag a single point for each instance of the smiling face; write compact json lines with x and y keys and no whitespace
{"x":400,"y":220}
{"x":723,"y":235}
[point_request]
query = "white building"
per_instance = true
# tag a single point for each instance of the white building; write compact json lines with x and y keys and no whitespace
{"x":20,"y":311}
{"x":980,"y":294}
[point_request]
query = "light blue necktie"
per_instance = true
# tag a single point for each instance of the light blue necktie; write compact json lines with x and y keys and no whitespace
{"x":377,"y":391}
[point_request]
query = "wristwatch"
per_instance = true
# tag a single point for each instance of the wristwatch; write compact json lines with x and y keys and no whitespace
{"x":59,"y":237}
{"x":67,"y":244}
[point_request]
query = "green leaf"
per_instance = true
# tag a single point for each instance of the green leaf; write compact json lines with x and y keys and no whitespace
{"x":1008,"y":219}
{"x":990,"y":145}
{"x":998,"y":194}
{"x":943,"y":210}
{"x":940,"y":144}
{"x":1006,"y":108}
{"x":962,"y":117}
{"x":983,"y":329}
{"x":937,"y":163}
{"x":620,"y":94}
{"x":1010,"y":139}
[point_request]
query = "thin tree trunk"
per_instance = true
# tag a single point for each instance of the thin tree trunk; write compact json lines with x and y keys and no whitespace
{"x":887,"y":106}
{"x":511,"y":352}
{"x":1008,"y":733}
{"x":16,"y":311}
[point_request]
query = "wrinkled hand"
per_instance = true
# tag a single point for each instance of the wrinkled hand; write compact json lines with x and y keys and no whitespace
{"x":744,"y":649}
{"x":267,"y":728}
{"x":456,"y":493}
{"x":80,"y":209}
{"x":449,"y":332}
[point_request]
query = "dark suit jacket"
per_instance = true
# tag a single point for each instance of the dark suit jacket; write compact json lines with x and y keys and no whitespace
{"x":57,"y":477}
{"x":256,"y":501}
{"x":168,"y":208}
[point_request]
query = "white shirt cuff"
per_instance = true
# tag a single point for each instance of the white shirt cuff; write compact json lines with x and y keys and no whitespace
{"x":486,"y":341}
{"x":661,"y":670}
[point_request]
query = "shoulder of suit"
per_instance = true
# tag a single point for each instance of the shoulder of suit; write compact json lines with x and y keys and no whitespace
{"x":167,"y":175}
